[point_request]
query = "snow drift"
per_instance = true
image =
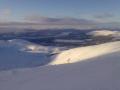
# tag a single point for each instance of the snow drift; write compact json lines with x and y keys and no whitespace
{"x":84,"y":53}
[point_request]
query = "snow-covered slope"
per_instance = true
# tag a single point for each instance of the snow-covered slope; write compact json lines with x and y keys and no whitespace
{"x":98,"y":73}
{"x":83,"y":53}
{"x":26,"y":46}
{"x":22,"y":45}
{"x":23,"y":54}
{"x":104,"y":33}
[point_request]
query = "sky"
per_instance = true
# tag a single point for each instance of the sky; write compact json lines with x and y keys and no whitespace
{"x":60,"y":11}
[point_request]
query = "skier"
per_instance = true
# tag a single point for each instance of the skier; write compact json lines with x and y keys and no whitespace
{"x":68,"y":61}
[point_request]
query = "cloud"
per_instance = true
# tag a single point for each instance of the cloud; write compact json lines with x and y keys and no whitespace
{"x":58,"y":21}
{"x":40,"y":22}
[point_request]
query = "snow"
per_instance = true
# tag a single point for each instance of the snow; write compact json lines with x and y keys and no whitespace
{"x":105,"y":33}
{"x":26,"y":46}
{"x":97,"y":68}
{"x":23,"y":54}
{"x":83,"y":53}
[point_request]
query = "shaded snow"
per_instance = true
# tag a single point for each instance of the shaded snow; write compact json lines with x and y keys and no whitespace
{"x":23,"y":54}
{"x":100,"y":73}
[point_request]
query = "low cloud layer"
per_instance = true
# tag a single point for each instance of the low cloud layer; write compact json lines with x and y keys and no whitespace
{"x":38,"y":22}
{"x":58,"y":21}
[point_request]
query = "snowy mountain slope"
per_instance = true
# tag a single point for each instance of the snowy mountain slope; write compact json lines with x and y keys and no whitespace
{"x":11,"y":58}
{"x":26,"y":46}
{"x":21,"y":45}
{"x":22,"y":54}
{"x":100,"y":73}
{"x":104,"y":33}
{"x":83,"y":53}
